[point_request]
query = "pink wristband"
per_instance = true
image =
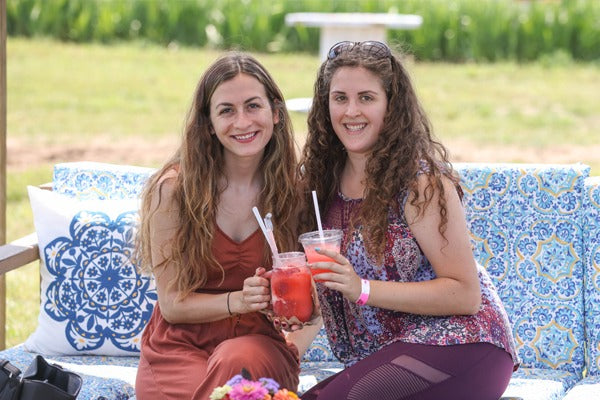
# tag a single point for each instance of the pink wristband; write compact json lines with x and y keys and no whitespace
{"x":365,"y":287}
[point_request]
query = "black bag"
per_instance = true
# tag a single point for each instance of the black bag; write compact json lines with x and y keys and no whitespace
{"x":41,"y":381}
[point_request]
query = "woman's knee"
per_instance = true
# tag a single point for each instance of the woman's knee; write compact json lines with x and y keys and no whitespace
{"x":242,"y":352}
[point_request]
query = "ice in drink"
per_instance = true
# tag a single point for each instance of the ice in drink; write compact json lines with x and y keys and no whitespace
{"x":291,"y":287}
{"x":331,"y":240}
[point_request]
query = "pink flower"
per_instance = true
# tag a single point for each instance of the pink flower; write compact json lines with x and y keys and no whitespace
{"x":248,"y":390}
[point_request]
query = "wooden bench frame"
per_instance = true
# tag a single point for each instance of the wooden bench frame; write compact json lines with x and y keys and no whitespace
{"x":14,"y":255}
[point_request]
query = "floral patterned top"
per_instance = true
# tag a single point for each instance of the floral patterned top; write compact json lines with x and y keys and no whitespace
{"x":355,"y":331}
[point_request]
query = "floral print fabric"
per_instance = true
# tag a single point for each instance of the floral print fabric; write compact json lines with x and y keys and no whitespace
{"x":357,"y":331}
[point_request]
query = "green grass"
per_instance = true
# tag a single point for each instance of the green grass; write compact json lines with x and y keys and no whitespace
{"x":508,"y":104}
{"x":72,"y":95}
{"x":23,"y":285}
{"x":60,"y":92}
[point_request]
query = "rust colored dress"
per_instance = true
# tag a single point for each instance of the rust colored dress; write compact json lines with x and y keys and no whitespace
{"x":187,"y":361}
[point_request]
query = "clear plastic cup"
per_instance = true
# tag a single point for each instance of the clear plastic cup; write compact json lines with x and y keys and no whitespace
{"x":291,"y":287}
{"x":331,"y":240}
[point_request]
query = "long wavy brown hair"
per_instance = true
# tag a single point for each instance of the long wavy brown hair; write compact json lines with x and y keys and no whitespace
{"x":404,"y":148}
{"x":199,"y":162}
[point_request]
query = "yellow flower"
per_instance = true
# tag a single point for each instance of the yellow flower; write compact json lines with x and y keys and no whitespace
{"x":219,"y":392}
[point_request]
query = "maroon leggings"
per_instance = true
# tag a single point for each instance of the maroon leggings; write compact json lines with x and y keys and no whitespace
{"x":404,"y":371}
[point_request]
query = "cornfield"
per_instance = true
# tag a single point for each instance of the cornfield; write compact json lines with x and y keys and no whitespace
{"x":452,"y":30}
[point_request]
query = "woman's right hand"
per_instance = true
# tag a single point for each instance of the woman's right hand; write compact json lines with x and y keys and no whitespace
{"x":256,"y":293}
{"x":340,"y":274}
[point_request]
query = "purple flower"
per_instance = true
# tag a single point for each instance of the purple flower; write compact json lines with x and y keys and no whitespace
{"x":235,"y":380}
{"x":270,"y":384}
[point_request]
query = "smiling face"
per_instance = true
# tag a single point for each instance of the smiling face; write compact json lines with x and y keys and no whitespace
{"x":357,"y":106}
{"x":242,"y":117}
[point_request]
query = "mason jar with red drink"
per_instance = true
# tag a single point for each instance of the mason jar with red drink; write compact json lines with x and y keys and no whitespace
{"x":291,"y":287}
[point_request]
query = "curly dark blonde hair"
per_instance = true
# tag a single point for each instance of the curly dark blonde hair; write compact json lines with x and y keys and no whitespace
{"x":404,"y":148}
{"x":199,"y":162}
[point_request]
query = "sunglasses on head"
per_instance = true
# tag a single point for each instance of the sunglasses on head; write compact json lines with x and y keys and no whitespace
{"x":372,"y":47}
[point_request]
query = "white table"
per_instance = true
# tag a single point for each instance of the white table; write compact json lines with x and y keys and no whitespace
{"x":300,"y":104}
{"x":355,"y":27}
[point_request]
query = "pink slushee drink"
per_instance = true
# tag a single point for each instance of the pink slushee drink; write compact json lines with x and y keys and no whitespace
{"x":291,"y":287}
{"x":331,"y":240}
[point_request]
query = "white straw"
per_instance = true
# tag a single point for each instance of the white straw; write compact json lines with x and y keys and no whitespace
{"x":260,"y":220}
{"x":270,"y":238}
{"x":314,"y":196}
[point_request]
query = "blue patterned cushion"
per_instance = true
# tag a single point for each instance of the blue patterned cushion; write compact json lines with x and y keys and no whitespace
{"x":319,"y":350}
{"x":104,"y":378}
{"x":92,"y":180}
{"x":591,"y":223}
{"x":93,"y":301}
{"x":524,"y":221}
{"x":586,"y":389}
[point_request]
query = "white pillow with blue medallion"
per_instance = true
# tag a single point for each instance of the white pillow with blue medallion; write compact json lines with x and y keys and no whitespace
{"x":93,"y":300}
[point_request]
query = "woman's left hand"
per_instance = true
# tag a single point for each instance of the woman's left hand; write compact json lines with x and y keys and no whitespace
{"x":341,"y":275}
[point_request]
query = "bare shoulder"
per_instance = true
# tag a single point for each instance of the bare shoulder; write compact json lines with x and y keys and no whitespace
{"x":432,"y":206}
{"x":164,"y":190}
{"x":423,"y":185}
{"x":168,"y":181}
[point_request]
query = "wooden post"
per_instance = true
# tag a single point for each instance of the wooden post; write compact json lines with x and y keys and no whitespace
{"x":2,"y":165}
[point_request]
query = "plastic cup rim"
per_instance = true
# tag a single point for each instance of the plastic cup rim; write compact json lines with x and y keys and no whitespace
{"x":291,"y":254}
{"x":314,"y":236}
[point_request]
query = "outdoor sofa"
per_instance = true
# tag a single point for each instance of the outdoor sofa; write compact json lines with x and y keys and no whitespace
{"x":535,"y":228}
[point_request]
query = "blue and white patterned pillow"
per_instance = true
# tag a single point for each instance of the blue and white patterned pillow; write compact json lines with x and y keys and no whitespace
{"x":525,"y":227}
{"x":86,"y":180}
{"x":93,"y":301}
{"x":591,"y":221}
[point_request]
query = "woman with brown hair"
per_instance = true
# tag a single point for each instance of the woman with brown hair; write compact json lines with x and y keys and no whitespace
{"x":406,"y":307}
{"x":201,"y":241}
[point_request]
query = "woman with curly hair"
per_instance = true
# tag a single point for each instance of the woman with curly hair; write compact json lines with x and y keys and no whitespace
{"x":406,"y":307}
{"x":201,"y":241}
